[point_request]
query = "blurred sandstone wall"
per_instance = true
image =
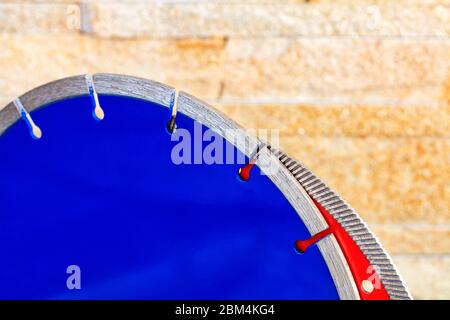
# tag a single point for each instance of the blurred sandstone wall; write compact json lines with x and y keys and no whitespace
{"x":359,"y":89}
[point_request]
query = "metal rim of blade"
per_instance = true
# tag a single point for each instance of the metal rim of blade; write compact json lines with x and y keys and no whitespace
{"x":296,"y":192}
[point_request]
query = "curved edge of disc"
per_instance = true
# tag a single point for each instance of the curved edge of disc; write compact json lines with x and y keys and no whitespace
{"x":286,"y":183}
{"x":207,"y":115}
{"x":43,"y":95}
{"x":139,"y":88}
{"x":347,"y":217}
{"x":105,"y":83}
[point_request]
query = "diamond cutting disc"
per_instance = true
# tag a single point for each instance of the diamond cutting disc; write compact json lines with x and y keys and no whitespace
{"x":130,"y":189}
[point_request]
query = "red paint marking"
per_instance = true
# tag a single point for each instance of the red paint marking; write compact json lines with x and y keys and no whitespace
{"x":359,"y":265}
{"x":244,"y":172}
{"x":303,"y":245}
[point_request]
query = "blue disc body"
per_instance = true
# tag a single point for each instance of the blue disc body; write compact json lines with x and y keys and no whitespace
{"x":106,"y":197}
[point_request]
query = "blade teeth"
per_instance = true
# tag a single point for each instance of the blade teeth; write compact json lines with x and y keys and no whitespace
{"x":289,"y":162}
{"x":362,"y":238}
{"x":367,"y":242}
{"x":371,"y":249}
{"x":308,"y":179}
{"x":398,"y":293}
{"x":376,"y":257}
{"x":398,"y":290}
{"x":339,"y":206}
{"x":299,"y":173}
{"x":295,"y":168}
{"x":389,"y":276}
{"x":400,"y":297}
{"x":347,"y":218}
{"x":381,"y":262}
{"x":316,"y":195}
{"x":354,"y":225}
{"x":388,"y":282}
{"x":303,"y":177}
{"x":360,"y":230}
{"x":403,"y":297}
{"x":387,"y":266}
{"x":315,"y":187}
{"x":310,"y":186}
{"x":342,"y":211}
{"x":324,"y":196}
{"x":359,"y":233}
{"x":354,"y":222}
{"x":393,"y":284}
{"x":331,"y":202}
{"x":351,"y":222}
{"x":386,"y":273}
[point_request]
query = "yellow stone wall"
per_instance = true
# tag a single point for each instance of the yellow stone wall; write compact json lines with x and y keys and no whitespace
{"x":360,"y":90}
